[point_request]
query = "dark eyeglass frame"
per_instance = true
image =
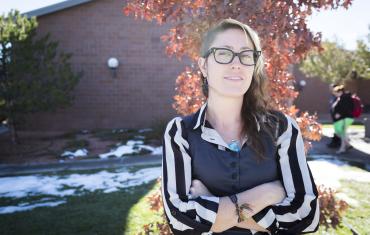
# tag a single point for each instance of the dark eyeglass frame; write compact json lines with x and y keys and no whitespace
{"x":256,"y":54}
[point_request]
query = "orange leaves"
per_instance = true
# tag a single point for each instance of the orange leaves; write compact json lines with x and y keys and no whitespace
{"x":309,"y":127}
{"x":127,"y":10}
{"x":155,"y":201}
{"x":281,"y":26}
{"x":189,"y":96}
{"x":331,"y":209}
{"x":285,"y":40}
{"x":156,"y":206}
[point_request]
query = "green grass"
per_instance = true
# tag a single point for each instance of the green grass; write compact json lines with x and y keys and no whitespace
{"x":357,"y":127}
{"x":141,"y":214}
{"x":126,"y":211}
{"x":356,"y":216}
{"x":93,"y":213}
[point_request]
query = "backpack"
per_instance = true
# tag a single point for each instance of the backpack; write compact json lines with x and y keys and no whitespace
{"x":357,"y":106}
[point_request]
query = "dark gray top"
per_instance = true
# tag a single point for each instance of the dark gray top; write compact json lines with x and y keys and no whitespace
{"x":226,"y":172}
{"x":192,"y":149}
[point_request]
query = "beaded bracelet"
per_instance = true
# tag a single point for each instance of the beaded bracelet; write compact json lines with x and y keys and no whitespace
{"x":239,"y":209}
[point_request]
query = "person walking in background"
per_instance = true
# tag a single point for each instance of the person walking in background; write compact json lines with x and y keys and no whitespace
{"x":343,"y":116}
{"x":335,"y":140}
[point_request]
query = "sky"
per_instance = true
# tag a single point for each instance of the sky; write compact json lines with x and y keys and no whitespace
{"x":345,"y":26}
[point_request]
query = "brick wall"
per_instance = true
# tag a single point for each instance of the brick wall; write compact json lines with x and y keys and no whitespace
{"x":315,"y":95}
{"x":140,"y":94}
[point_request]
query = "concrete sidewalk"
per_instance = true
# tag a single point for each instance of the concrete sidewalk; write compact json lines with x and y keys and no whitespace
{"x":127,"y":161}
{"x":355,"y":155}
{"x":359,"y":156}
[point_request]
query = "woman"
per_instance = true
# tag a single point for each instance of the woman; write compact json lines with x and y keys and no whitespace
{"x":343,"y":117}
{"x":234,"y":167}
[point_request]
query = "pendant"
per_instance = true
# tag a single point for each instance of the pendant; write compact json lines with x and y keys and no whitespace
{"x":234,"y":145}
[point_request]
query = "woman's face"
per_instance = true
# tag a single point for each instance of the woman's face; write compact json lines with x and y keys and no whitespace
{"x":233,"y":79}
{"x":337,"y":93}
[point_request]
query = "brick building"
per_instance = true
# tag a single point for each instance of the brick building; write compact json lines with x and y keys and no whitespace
{"x":140,"y":95}
{"x":315,"y":96}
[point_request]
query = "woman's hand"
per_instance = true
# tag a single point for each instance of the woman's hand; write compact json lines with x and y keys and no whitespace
{"x":263,"y":195}
{"x":251,"y":224}
{"x":197,"y":189}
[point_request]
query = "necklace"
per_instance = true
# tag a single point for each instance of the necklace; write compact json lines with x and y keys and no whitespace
{"x":234,"y":145}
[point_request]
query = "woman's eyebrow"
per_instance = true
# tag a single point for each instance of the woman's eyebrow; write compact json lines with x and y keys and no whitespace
{"x":230,"y":47}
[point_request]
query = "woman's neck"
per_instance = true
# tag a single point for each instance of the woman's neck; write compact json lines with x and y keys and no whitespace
{"x":225,"y":113}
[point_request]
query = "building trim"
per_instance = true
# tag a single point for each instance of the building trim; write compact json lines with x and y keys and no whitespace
{"x":55,"y":7}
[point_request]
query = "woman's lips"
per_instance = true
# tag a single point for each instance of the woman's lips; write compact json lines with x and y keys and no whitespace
{"x":233,"y":78}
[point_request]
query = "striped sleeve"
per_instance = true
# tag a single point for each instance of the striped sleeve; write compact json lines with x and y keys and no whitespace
{"x":299,"y":211}
{"x":185,"y":215}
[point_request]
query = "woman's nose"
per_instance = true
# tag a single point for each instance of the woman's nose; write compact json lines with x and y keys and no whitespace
{"x":235,"y":64}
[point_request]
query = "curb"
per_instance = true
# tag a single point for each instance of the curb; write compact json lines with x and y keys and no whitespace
{"x":126,"y":161}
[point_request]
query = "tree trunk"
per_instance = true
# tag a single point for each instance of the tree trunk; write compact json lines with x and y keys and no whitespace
{"x":13,"y":132}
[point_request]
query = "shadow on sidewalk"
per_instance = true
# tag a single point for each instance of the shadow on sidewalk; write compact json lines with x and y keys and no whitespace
{"x":353,"y":156}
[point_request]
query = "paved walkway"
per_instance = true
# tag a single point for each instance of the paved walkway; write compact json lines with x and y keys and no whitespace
{"x":13,"y":169}
{"x":359,"y":156}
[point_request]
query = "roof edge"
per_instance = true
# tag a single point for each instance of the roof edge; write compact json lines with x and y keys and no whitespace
{"x":55,"y":7}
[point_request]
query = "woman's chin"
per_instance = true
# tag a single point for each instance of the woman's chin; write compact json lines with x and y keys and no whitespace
{"x":233,"y":94}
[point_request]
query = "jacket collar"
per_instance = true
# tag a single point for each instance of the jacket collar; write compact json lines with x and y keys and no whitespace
{"x":200,"y":117}
{"x":209,"y":133}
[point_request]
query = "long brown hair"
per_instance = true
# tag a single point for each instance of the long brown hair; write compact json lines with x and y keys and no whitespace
{"x":255,"y":99}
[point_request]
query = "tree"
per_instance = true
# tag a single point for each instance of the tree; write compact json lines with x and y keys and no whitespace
{"x":280,"y":24}
{"x":334,"y":64}
{"x":34,"y":77}
{"x":361,"y":62}
{"x":331,"y":65}
{"x":284,"y":36}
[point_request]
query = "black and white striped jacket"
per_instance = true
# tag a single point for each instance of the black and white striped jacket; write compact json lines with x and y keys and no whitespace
{"x":297,"y":213}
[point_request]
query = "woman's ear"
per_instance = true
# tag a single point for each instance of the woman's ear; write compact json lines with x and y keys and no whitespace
{"x":202,"y":66}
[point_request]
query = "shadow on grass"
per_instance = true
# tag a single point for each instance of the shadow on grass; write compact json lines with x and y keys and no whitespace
{"x":93,"y":213}
{"x":141,"y":213}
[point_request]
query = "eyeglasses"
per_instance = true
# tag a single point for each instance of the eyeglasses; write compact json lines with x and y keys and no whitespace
{"x":226,"y":56}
